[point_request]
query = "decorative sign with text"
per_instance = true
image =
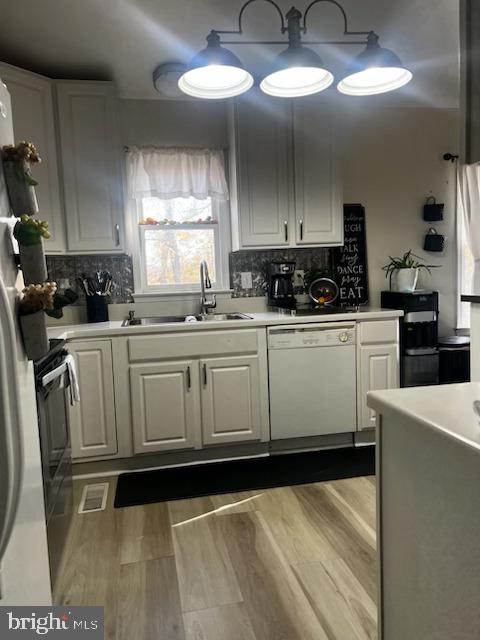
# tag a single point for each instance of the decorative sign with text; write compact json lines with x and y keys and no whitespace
{"x":350,"y":261}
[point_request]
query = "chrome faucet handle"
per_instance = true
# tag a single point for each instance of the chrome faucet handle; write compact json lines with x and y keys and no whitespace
{"x":211,"y":304}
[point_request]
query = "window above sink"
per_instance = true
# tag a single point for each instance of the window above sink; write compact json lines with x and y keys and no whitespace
{"x":178,"y":216}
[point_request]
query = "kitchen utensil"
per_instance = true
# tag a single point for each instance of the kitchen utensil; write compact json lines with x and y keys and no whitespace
{"x":323,"y":291}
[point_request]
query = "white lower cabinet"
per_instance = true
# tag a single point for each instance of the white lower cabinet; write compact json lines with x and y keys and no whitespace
{"x":165,"y":405}
{"x":92,"y":421}
{"x":379,"y":369}
{"x":214,"y":392}
{"x":230,"y":399}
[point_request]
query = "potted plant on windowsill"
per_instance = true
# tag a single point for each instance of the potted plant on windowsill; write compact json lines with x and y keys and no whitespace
{"x":17,"y":160}
{"x":37,"y":298}
{"x":407,"y":269}
{"x":30,"y":233}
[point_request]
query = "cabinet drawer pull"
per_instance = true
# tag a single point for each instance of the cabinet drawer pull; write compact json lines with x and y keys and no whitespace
{"x":189,"y":379}
{"x":117,"y":235}
{"x":204,"y":375}
{"x":301,"y":229}
{"x":285,"y":224}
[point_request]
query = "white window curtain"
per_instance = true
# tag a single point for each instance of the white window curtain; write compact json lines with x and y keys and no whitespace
{"x":176,"y":173}
{"x":468,"y":197}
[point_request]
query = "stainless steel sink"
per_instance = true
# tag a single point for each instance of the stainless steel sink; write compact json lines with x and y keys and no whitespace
{"x":223,"y":316}
{"x":211,"y":317}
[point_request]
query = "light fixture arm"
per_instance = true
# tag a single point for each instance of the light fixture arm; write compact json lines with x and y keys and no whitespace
{"x":292,"y":24}
{"x":239,"y":31}
{"x":346,"y":31}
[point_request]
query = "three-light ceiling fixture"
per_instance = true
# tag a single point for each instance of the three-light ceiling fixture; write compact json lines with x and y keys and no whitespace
{"x":217,"y":73}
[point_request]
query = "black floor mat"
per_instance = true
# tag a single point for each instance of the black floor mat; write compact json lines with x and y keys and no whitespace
{"x":145,"y":487}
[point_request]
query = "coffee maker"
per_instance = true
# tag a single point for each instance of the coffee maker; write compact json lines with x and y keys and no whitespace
{"x":280,"y":284}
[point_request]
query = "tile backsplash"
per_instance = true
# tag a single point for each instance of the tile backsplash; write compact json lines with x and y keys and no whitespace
{"x":120,"y":266}
{"x":257,"y":262}
{"x":70,"y":267}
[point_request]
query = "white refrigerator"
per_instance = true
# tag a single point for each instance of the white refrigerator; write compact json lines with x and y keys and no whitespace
{"x":24,"y":569}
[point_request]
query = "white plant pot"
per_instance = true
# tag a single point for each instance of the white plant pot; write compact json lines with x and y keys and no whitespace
{"x":406,"y":280}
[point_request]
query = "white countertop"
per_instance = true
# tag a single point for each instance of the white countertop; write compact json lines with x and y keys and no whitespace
{"x":446,"y":408}
{"x":265,"y":319}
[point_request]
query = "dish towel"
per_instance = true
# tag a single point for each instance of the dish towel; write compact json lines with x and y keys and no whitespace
{"x":73,"y":379}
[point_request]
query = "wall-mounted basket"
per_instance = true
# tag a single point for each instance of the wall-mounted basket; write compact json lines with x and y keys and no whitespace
{"x":34,"y":333}
{"x":23,"y":199}
{"x":433,"y":210}
{"x":32,"y":263}
{"x":434,"y":241}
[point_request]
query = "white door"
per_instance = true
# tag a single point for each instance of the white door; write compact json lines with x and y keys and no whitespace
{"x":93,"y":427}
{"x":33,"y":120}
{"x":378,"y":371}
{"x":91,"y":166}
{"x":231,"y":409}
{"x":318,"y":180}
{"x":165,"y":406}
{"x":262,"y":157}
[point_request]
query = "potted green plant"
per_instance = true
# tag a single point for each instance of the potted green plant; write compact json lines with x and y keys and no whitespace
{"x":37,"y":298}
{"x":406,"y":268}
{"x":17,"y":160}
{"x":29,"y":234}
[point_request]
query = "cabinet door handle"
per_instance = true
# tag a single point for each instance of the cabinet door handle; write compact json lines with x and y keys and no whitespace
{"x":189,"y":379}
{"x":285,"y":225}
{"x":204,"y":375}
{"x":301,"y":229}
{"x":117,"y":235}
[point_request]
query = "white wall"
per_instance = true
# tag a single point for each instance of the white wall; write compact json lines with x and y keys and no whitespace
{"x":393,"y":160}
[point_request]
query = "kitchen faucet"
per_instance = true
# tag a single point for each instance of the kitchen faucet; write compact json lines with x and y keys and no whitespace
{"x":205,"y":283}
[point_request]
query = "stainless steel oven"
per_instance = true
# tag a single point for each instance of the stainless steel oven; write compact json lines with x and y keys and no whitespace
{"x":51,"y":381}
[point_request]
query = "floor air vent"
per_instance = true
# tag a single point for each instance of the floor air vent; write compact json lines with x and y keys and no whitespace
{"x":94,"y":497}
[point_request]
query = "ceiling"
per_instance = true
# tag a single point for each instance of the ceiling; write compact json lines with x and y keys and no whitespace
{"x":125,"y":40}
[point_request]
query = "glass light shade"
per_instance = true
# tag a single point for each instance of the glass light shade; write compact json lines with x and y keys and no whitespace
{"x":215,"y":73}
{"x":296,"y":81}
{"x":375,"y":70}
{"x":297,"y":71}
{"x":215,"y":81}
{"x":374,"y":80}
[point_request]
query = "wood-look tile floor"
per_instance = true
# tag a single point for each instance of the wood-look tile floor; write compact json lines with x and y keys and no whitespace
{"x":294,"y":563}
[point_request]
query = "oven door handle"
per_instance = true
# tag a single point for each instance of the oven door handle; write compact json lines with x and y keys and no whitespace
{"x":52,"y":375}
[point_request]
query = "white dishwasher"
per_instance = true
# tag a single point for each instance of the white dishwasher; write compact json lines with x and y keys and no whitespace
{"x":312,"y":374}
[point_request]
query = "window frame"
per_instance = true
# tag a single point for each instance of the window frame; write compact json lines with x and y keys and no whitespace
{"x":222,"y":235}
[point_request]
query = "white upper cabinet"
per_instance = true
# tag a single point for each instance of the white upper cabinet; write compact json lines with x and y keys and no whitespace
{"x":33,"y":119}
{"x":91,"y":166}
{"x":317,"y":174}
{"x":261,"y":148}
{"x":286,"y":178}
